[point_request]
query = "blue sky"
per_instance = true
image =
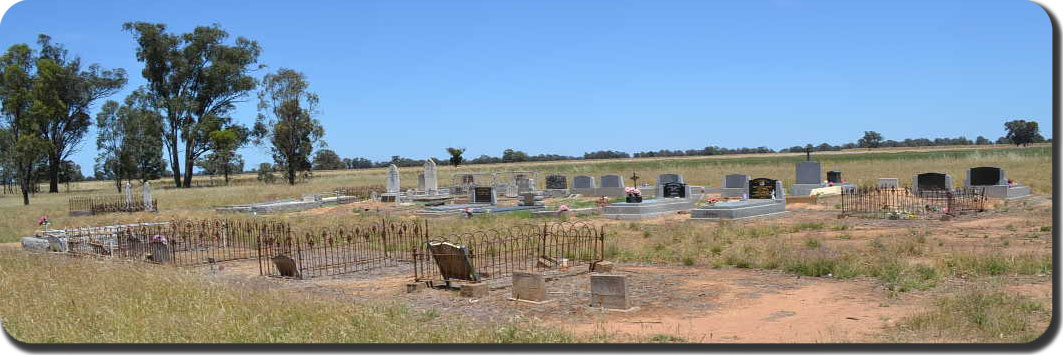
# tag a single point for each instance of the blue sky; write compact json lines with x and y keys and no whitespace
{"x":410,"y":78}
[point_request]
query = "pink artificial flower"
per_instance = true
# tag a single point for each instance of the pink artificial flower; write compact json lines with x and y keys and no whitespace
{"x":637,"y":192}
{"x":830,"y":183}
{"x":42,"y":221}
{"x":159,"y":238}
{"x":562,"y":208}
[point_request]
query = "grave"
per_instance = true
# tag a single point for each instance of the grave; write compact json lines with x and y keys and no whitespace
{"x":556,"y":186}
{"x":420,"y":182}
{"x":610,"y":292}
{"x":531,"y":198}
{"x":931,"y":181}
{"x":995,"y":183}
{"x":667,"y":178}
{"x":766,"y":198}
{"x":483,"y":195}
{"x":681,"y":197}
{"x":160,"y":252}
{"x":524,"y":183}
{"x":431,"y":177}
{"x":889,"y":183}
{"x":583,"y":185}
{"x":392,"y":192}
{"x":808,"y":177}
{"x":735,"y":185}
{"x":148,"y":203}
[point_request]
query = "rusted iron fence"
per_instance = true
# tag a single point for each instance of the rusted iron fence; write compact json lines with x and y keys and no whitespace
{"x":109,"y":204}
{"x":179,"y":242}
{"x":340,"y":249}
{"x":902,"y":203}
{"x":497,"y":253}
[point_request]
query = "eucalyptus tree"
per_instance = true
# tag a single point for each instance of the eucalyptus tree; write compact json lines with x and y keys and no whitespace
{"x":194,"y":79}
{"x":24,"y":146}
{"x":286,"y":121}
{"x":63,"y":96}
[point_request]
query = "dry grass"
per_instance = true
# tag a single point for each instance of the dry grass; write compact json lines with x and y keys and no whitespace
{"x":57,"y":299}
{"x":977,"y":313}
{"x":1030,"y":166}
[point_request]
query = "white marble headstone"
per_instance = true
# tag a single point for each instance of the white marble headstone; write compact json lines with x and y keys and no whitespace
{"x":128,"y":195}
{"x":147,"y":196}
{"x":431,"y":179}
{"x":393,"y":179}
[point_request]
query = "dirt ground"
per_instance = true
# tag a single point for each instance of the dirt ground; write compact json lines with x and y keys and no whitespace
{"x":700,"y":303}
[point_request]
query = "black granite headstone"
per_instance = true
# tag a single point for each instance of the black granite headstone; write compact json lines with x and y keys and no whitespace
{"x":762,"y":188}
{"x":834,"y":177}
{"x":556,"y":182}
{"x":985,"y":175}
{"x":675,"y":190}
{"x":481,"y":194}
{"x":285,"y":266}
{"x":931,"y":181}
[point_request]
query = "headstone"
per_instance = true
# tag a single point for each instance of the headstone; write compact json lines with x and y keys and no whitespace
{"x":834,"y":177}
{"x":431,"y":176}
{"x":468,"y":180}
{"x":985,"y":176}
{"x":808,"y":172}
{"x":512,"y":190}
{"x":556,"y":182}
{"x":285,"y":266}
{"x":674,"y":190}
{"x":583,"y":182}
{"x":736,"y":181}
{"x":932,"y":181}
{"x":474,"y":290}
{"x":128,"y":196}
{"x":524,"y":183}
{"x":667,"y":178}
{"x":609,"y":291}
{"x":612,"y":180}
{"x":762,"y":188}
{"x":160,"y":252}
{"x":149,"y":204}
{"x":889,"y":183}
{"x":529,"y":286}
{"x":482,"y":194}
{"x":393,"y":179}
{"x":453,"y":261}
{"x":420,"y":182}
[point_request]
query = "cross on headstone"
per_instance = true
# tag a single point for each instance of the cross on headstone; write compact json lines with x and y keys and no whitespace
{"x":808,"y":153}
{"x":635,"y":178}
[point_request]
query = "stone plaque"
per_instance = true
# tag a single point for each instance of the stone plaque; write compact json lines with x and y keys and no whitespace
{"x":556,"y":182}
{"x":932,"y":181}
{"x":482,"y":194}
{"x":762,"y":188}
{"x":529,"y":286}
{"x":986,"y":175}
{"x":612,"y":181}
{"x":453,"y":261}
{"x":834,"y":177}
{"x":609,"y":291}
{"x":285,"y":266}
{"x":675,"y":190}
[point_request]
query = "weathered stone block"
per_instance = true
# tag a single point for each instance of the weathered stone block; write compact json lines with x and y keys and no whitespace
{"x":609,"y":291}
{"x":603,"y":266}
{"x":529,"y":286}
{"x":474,"y":290}
{"x":414,"y":287}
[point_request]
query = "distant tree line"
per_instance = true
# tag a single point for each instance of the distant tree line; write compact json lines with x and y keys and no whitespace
{"x":1019,"y":132}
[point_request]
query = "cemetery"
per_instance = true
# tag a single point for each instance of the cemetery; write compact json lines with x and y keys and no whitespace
{"x":581,"y":259}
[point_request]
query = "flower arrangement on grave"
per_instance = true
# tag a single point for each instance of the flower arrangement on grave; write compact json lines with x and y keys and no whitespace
{"x":634,"y":195}
{"x":1011,"y":182}
{"x":159,"y":238}
{"x":602,"y":201}
{"x":562,"y":208}
{"x":713,"y":201}
{"x":44,"y":222}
